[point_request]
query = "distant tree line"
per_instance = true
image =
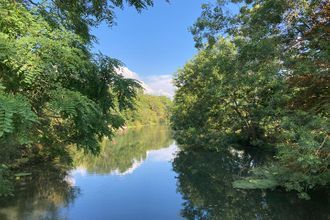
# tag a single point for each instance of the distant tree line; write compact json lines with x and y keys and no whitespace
{"x":148,"y":110}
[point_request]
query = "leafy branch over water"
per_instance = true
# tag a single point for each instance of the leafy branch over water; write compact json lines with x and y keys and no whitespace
{"x":54,"y":92}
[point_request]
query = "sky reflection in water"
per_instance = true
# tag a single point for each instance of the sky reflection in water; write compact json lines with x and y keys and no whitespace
{"x":142,"y":186}
{"x":141,"y":174}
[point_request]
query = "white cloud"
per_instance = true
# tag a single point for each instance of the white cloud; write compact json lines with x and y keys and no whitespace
{"x":136,"y":164}
{"x":130,"y":74}
{"x":161,"y":85}
{"x":164,"y":154}
{"x":155,"y":85}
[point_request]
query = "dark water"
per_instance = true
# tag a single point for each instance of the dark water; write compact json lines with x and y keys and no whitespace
{"x":142,"y":175}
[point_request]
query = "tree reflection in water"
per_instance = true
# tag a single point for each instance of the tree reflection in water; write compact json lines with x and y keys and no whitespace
{"x":204,"y":179}
{"x":205,"y":182}
{"x":125,"y":151}
{"x":40,"y":197}
{"x":49,"y":192}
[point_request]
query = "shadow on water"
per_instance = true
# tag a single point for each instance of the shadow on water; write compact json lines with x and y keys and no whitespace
{"x":205,"y":179}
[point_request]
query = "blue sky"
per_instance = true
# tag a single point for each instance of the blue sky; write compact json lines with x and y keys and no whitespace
{"x":154,"y":43}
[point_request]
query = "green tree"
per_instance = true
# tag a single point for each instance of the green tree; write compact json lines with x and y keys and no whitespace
{"x":80,"y":15}
{"x":218,"y":92}
{"x":148,"y":110}
{"x":266,"y":83}
{"x":65,"y":86}
{"x":54,"y":92}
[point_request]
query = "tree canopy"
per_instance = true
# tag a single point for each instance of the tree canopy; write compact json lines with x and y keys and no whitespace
{"x":54,"y":92}
{"x":80,"y":15}
{"x":261,"y":78}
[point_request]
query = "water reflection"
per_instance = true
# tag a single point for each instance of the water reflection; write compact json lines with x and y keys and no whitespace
{"x":126,"y":152}
{"x":96,"y":188}
{"x":200,"y":187}
{"x":205,"y":182}
{"x":40,"y":197}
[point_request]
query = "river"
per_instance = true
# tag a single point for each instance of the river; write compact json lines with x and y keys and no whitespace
{"x":142,"y":174}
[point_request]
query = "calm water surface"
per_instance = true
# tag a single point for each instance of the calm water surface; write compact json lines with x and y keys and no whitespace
{"x":141,"y":174}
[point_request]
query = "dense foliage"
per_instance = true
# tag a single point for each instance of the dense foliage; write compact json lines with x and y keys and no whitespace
{"x":80,"y":15}
{"x":261,"y":79}
{"x":54,"y":92}
{"x":149,"y":109}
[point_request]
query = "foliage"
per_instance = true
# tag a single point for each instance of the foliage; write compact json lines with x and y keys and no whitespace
{"x":215,"y":90}
{"x":54,"y":92}
{"x":148,"y":110}
{"x":16,"y":117}
{"x":265,"y":84}
{"x":80,"y":15}
{"x":66,"y":86}
{"x":6,"y":186}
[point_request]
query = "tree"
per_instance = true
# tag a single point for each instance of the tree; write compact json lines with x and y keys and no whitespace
{"x":271,"y":89}
{"x":218,"y":91}
{"x":80,"y":15}
{"x":54,"y":91}
{"x":149,"y":110}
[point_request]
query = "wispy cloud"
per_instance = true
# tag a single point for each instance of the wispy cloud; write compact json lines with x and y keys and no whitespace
{"x":164,"y":154}
{"x":160,"y":85}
